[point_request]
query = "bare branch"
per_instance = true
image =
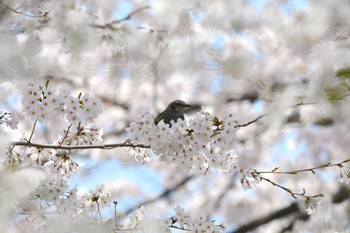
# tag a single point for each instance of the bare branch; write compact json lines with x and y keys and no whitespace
{"x":274,"y":171}
{"x":250,"y":122}
{"x":31,"y":135}
{"x":249,"y":95}
{"x":293,"y":194}
{"x":293,"y":208}
{"x":285,"y":211}
{"x":98,"y":211}
{"x":162,"y":195}
{"x":114,"y":102}
{"x":131,"y":14}
{"x":111,"y":24}
{"x":66,"y":134}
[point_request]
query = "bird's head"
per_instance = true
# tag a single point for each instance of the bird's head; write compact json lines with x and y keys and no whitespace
{"x":178,"y":106}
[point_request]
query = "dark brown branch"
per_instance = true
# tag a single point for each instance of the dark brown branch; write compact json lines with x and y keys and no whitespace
{"x":251,"y":96}
{"x":78,"y":147}
{"x":113,"y":102}
{"x":298,"y":216}
{"x":162,"y":195}
{"x":293,"y":208}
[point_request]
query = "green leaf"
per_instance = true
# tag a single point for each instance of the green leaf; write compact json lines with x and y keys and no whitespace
{"x":215,"y":121}
{"x":344,"y":73}
{"x":47,"y":84}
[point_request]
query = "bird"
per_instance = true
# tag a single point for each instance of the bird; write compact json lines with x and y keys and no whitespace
{"x":174,"y":111}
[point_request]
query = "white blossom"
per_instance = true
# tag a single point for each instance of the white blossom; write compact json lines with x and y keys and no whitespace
{"x":192,"y":144}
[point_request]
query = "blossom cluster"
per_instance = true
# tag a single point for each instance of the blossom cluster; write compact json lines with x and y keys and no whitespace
{"x":96,"y":199}
{"x":197,"y":225}
{"x":51,"y":189}
{"x":198,"y":145}
{"x":62,"y":202}
{"x":182,"y":220}
{"x":40,"y":101}
{"x":29,"y":157}
{"x":55,"y":193}
{"x":248,"y":178}
{"x":312,"y":206}
{"x":143,"y":219}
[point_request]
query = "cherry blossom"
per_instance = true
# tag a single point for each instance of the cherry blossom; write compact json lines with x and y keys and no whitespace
{"x":268,"y":82}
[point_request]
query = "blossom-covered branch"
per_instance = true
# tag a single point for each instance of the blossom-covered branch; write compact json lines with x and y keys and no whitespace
{"x":78,"y":147}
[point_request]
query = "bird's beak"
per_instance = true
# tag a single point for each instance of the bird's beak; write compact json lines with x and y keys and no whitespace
{"x":187,"y":105}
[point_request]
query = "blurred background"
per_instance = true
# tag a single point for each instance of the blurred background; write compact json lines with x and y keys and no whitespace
{"x":286,"y":60}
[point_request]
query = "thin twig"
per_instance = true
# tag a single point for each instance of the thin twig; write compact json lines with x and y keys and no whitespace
{"x":127,"y":17}
{"x":21,"y":13}
{"x":250,"y":122}
{"x":31,"y":135}
{"x":303,"y":170}
{"x":293,"y":194}
{"x":98,"y":210}
{"x":115,"y":213}
{"x":65,"y":135}
{"x":131,"y":14}
{"x":302,"y":104}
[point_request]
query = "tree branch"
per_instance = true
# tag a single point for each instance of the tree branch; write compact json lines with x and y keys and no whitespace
{"x":131,"y":14}
{"x":79,"y":147}
{"x":293,"y":208}
{"x":127,"y":17}
{"x":162,"y":195}
{"x":274,"y":171}
{"x":21,"y":13}
{"x":250,"y":122}
{"x":32,"y":133}
{"x":293,"y":194}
